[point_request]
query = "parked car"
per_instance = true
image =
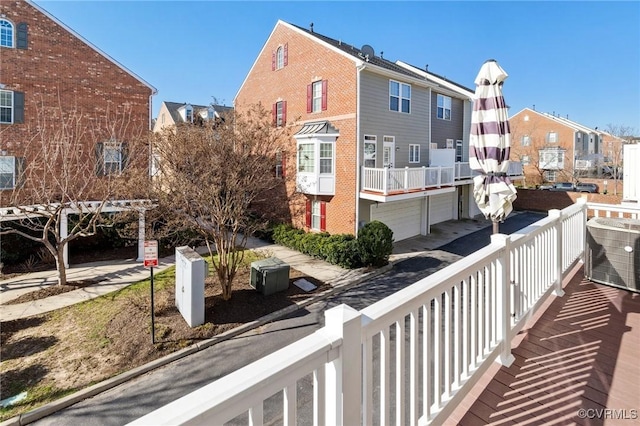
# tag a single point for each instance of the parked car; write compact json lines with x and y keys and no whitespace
{"x":563,"y":186}
{"x":587,"y":187}
{"x":546,"y":186}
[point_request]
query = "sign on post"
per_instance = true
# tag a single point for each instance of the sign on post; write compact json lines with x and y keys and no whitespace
{"x":150,"y":253}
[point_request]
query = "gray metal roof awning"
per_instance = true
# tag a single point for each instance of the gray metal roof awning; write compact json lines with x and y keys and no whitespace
{"x":318,"y":127}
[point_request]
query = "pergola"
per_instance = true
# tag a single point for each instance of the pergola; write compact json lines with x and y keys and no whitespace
{"x":87,"y":207}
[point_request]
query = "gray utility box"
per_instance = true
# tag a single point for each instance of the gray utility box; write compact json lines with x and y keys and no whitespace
{"x":269,"y":276}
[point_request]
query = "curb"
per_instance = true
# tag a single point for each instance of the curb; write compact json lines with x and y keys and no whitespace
{"x":338,"y":286}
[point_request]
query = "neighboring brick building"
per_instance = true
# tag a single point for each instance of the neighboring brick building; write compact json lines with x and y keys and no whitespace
{"x":369,"y":134}
{"x":48,"y":70}
{"x":556,"y":149}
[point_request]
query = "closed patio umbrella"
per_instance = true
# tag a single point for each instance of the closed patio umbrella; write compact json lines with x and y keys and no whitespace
{"x":489,"y":145}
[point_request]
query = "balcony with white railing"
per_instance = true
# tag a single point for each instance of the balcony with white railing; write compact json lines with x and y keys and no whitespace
{"x":387,"y":184}
{"x":413,"y":357}
{"x":382,"y":184}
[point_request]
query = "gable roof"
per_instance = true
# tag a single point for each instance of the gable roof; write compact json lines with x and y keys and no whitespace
{"x":440,"y":80}
{"x":92,"y":46}
{"x":359,"y":54}
{"x":359,"y":58}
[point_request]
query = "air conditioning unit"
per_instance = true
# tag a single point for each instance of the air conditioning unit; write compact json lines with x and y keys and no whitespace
{"x":612,"y":254}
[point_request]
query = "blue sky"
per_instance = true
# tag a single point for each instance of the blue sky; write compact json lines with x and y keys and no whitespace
{"x":576,"y":59}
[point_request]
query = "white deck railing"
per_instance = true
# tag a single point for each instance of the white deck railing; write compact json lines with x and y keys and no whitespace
{"x":411,"y":357}
{"x":391,"y":180}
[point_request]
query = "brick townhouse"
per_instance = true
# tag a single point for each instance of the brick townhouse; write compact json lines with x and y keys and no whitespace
{"x":372,"y":139}
{"x":46,"y":70}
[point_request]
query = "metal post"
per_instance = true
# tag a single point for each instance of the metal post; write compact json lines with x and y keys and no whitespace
{"x":153,"y":325}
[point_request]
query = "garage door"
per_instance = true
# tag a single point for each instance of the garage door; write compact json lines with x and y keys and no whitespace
{"x":403,"y":217}
{"x":441,"y":207}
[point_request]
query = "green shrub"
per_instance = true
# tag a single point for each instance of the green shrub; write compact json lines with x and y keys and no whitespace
{"x":375,"y":243}
{"x":343,"y":251}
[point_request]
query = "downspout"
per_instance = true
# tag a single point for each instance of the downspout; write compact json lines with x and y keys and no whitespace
{"x":358,"y":168}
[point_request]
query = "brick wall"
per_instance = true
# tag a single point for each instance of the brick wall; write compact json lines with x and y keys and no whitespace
{"x":309,"y":61}
{"x":59,"y":72}
{"x":543,"y":201}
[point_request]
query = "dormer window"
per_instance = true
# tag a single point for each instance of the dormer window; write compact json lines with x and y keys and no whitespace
{"x":210,"y":113}
{"x":188,"y":114}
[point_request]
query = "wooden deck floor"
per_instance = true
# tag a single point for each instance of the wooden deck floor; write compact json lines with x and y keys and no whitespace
{"x":577,"y":362}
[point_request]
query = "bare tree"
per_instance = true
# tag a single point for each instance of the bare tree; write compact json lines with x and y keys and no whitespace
{"x":213,"y":175}
{"x":612,"y":150}
{"x":70,"y":169}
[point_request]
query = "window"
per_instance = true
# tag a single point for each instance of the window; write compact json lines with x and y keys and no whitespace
{"x":281,"y":165}
{"x":306,"y":157}
{"x":449,"y":143}
{"x":188,"y":114}
{"x":551,"y":159}
{"x":444,"y":107}
{"x":6,"y":33}
{"x":326,"y":158}
{"x":526,"y":140}
{"x":414,"y":153}
{"x":11,"y":107}
{"x":458,"y":151}
{"x":316,"y":215}
{"x":11,"y":170}
{"x":111,"y":157}
{"x":525,"y":160}
{"x":552,"y":137}
{"x":279,"y":113}
{"x":280,"y":57}
{"x":399,"y":97}
{"x":317,"y":96}
{"x":370,"y":148}
{"x":550,"y":175}
{"x":6,"y":106}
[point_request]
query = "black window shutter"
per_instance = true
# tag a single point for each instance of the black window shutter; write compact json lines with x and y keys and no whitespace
{"x":100,"y":159}
{"x":19,"y":171}
{"x":18,"y":107}
{"x":21,"y":36}
{"x":124,"y":155}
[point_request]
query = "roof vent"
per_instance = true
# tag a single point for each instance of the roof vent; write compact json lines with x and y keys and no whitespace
{"x":311,"y":27}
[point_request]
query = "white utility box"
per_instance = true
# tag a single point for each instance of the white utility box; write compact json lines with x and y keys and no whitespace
{"x":191,"y":270}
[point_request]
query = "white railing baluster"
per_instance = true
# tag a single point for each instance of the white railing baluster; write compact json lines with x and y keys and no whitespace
{"x":466,"y":336}
{"x":290,"y":405}
{"x":256,"y":415}
{"x":446,"y":353}
{"x":427,"y":360}
{"x":319,"y":397}
{"x":437,"y":352}
{"x":367,"y":382}
{"x":413,"y":367}
{"x":384,"y":376}
{"x":400,"y":371}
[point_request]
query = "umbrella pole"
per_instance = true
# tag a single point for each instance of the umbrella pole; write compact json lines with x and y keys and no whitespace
{"x":495,"y":227}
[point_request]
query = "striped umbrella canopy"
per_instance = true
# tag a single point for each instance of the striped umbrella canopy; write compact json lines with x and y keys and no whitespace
{"x":489,"y":145}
